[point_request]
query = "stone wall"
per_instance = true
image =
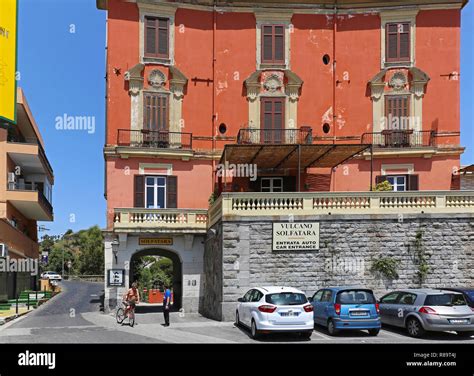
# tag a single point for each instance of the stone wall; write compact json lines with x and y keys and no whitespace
{"x":211,"y":303}
{"x":242,"y":253}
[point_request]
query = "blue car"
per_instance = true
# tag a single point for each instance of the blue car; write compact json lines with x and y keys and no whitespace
{"x":342,"y":308}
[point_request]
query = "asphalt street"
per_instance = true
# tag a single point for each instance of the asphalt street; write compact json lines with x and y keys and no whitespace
{"x":74,"y":316}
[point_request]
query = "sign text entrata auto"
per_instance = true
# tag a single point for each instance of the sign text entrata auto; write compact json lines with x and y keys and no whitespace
{"x":295,"y":236}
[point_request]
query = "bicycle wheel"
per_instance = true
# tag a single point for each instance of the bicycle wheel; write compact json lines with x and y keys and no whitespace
{"x":120,"y":315}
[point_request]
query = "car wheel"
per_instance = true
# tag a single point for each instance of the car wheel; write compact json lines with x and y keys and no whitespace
{"x":253,"y":330}
{"x":331,"y":328}
{"x":374,"y":332}
{"x":414,"y":328}
{"x":237,"y":318}
{"x":465,"y":334}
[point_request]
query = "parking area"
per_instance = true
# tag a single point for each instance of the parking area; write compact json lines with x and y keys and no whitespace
{"x":193,"y":328}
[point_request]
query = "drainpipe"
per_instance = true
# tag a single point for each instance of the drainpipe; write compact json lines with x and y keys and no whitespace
{"x":334,"y":115}
{"x":334,"y":30}
{"x":214,"y":22}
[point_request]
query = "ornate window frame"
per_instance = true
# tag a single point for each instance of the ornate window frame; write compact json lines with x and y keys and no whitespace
{"x":391,"y":16}
{"x":273,"y":86}
{"x":156,"y":83}
{"x":269,"y":17}
{"x":160,"y":11}
{"x":378,"y":85}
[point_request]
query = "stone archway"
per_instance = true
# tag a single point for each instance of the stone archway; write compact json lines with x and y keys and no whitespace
{"x":177,"y":287}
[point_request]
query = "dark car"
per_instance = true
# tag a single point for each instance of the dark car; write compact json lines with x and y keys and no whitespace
{"x":468,"y":293}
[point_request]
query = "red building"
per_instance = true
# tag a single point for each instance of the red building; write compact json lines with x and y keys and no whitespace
{"x":316,"y":96}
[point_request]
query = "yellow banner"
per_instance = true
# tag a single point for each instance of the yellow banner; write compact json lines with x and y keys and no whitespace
{"x":8,"y":45}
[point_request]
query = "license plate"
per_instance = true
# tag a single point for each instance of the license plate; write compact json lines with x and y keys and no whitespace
{"x":459,"y":321}
{"x":289,"y":314}
{"x":359,"y":313}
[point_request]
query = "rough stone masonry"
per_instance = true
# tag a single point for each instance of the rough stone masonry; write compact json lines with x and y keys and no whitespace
{"x":428,"y":251}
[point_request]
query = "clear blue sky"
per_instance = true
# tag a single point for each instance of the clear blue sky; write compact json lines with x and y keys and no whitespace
{"x":63,"y":73}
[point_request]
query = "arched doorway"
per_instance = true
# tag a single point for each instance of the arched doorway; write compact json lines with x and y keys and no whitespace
{"x":177,"y":279}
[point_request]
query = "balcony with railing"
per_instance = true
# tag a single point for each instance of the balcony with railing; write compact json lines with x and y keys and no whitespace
{"x":29,"y":199}
{"x":395,"y":139}
{"x":29,"y":151}
{"x":160,"y":220}
{"x":252,"y":204}
{"x":143,"y":138}
{"x":248,"y":136}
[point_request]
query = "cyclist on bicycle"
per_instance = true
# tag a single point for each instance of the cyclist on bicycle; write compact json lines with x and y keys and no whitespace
{"x":131,"y":299}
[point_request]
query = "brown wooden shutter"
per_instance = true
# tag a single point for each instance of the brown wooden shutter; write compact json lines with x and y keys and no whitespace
{"x":397,"y":42}
{"x":139,"y":191}
{"x":413,"y":182}
{"x":273,"y":44}
{"x":150,"y":36}
{"x":163,"y":37}
{"x":267,"y":44}
{"x":172,"y":192}
{"x":404,"y":42}
{"x":279,"y":42}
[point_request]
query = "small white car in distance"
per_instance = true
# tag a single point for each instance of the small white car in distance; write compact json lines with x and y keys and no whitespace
{"x":275,"y":309}
{"x":51,"y":276}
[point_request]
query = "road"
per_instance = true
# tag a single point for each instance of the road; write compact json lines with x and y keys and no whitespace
{"x":74,"y":317}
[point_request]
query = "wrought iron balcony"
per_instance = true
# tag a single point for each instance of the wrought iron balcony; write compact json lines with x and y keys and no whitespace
{"x":144,"y":138}
{"x":400,"y":139}
{"x":275,"y":136}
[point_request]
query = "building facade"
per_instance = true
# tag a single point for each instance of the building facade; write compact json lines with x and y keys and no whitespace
{"x":26,"y":181}
{"x":206,"y":97}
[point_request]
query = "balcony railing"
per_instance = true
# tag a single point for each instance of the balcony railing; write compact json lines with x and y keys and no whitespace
{"x":32,"y":187}
{"x":144,"y":138}
{"x":33,"y":141}
{"x":275,"y":136}
{"x":400,"y":139}
{"x":192,"y":220}
{"x":253,"y":204}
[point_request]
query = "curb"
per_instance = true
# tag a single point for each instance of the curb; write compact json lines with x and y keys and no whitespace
{"x":6,"y":320}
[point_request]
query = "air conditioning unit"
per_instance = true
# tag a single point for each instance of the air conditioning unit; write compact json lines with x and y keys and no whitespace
{"x":3,"y":250}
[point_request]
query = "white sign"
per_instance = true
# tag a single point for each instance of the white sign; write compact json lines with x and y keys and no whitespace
{"x":295,"y":236}
{"x":116,"y":277}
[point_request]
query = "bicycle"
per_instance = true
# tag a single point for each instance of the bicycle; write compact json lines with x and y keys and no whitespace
{"x":120,"y":315}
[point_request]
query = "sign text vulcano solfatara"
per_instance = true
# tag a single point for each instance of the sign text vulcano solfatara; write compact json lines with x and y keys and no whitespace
{"x":296,"y":236}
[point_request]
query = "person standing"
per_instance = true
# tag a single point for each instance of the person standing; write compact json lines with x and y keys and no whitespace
{"x":166,"y":305}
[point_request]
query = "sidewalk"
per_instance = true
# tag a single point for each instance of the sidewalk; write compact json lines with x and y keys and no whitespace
{"x":187,"y":328}
{"x":7,"y":316}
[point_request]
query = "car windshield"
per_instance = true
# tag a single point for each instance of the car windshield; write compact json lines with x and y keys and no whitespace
{"x":445,"y":300}
{"x":355,"y":297}
{"x":471,"y":295}
{"x":286,"y":298}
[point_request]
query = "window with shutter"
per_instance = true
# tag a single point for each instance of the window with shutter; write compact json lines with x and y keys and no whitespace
{"x":156,"y":37}
{"x":172,"y":192}
{"x":397,"y":111}
{"x":398,"y":42}
{"x":272,"y":120}
{"x":273,"y":44}
{"x":155,"y":112}
{"x":139,"y":191}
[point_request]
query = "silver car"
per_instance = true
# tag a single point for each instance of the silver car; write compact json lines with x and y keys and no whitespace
{"x":421,"y":310}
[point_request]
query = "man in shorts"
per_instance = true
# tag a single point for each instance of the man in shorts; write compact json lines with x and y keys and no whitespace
{"x":131,"y":298}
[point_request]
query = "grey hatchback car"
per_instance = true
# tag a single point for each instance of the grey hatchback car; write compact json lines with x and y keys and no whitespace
{"x":421,"y":310}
